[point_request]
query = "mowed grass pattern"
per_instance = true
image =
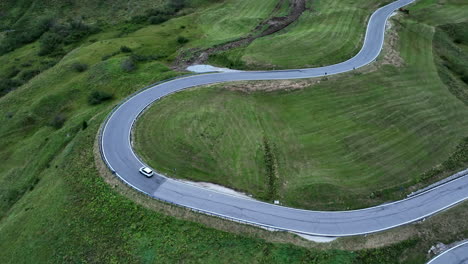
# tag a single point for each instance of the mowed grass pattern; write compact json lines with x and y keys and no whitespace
{"x":329,"y":32}
{"x":353,"y":142}
{"x":230,"y":20}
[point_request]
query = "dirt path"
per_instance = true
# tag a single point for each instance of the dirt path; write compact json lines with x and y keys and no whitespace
{"x":267,"y":27}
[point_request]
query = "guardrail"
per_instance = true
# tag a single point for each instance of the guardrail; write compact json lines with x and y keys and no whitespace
{"x":441,"y":182}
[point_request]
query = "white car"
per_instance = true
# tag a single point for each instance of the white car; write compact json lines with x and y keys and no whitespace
{"x":146,"y":171}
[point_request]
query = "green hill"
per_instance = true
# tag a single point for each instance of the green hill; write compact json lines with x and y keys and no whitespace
{"x":65,"y":66}
{"x":351,"y":142}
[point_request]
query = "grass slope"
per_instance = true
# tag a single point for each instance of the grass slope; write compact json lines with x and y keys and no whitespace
{"x":348,"y":143}
{"x":327,"y":33}
{"x":54,"y":206}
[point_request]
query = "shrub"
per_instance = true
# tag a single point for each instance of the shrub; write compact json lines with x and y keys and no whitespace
{"x":98,"y":97}
{"x":50,"y":43}
{"x":138,"y":19}
{"x":176,"y":5}
{"x":137,"y":58}
{"x":182,"y":40}
{"x":106,"y":57}
{"x":155,"y":20}
{"x":58,"y":121}
{"x":48,"y":64}
{"x":25,"y":33}
{"x":128,"y":65}
{"x":464,"y":78}
{"x":8,"y":85}
{"x":125,"y":49}
{"x":28,"y":75}
{"x":76,"y":30}
{"x":13,"y":72}
{"x":79,"y":67}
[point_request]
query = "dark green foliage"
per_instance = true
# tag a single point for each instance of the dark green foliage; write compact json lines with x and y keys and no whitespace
{"x":12,"y":72}
{"x":25,"y":33}
{"x":79,"y":67}
{"x":58,"y":121}
{"x":155,"y":20}
{"x":270,"y":169}
{"x":76,"y":30}
{"x":50,"y":43}
{"x":48,"y":64}
{"x":457,"y":32}
{"x":182,"y":40}
{"x":223,"y":58}
{"x":84,"y":125}
{"x":452,"y":59}
{"x":29,"y":74}
{"x":464,"y":78}
{"x":160,"y":15}
{"x":8,"y":85}
{"x":142,"y":58}
{"x":52,"y":34}
{"x":128,"y":65}
{"x":125,"y":49}
{"x":176,"y":5}
{"x":98,"y":97}
{"x":106,"y":57}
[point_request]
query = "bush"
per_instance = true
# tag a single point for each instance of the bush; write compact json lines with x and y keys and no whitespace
{"x":98,"y":97}
{"x":182,"y":40}
{"x":140,"y":58}
{"x":176,"y":5}
{"x":13,"y":72}
{"x":28,"y":75}
{"x":125,"y":49}
{"x":8,"y":85}
{"x":79,"y":67}
{"x":25,"y":33}
{"x":128,"y":65}
{"x":76,"y":30}
{"x":50,"y":43}
{"x":58,"y":121}
{"x":464,"y":78}
{"x":155,"y":20}
{"x":106,"y":57}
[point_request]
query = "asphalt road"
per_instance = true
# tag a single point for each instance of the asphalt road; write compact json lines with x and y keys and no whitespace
{"x":119,"y":156}
{"x":455,"y":255}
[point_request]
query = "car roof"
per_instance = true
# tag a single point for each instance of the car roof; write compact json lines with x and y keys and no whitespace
{"x":147,"y":170}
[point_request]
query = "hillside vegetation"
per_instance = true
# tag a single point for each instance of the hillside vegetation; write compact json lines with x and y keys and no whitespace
{"x":328,"y":32}
{"x":54,"y":205}
{"x":352,"y":142}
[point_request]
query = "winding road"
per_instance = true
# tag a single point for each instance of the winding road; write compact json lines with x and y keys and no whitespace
{"x":119,"y":156}
{"x":455,"y":255}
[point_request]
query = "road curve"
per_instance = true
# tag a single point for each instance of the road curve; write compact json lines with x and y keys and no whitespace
{"x":117,"y":153}
{"x":455,"y":255}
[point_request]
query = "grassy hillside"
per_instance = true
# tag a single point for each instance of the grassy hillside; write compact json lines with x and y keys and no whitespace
{"x":327,"y":33}
{"x":353,"y":142}
{"x":15,"y":12}
{"x":54,"y":206}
